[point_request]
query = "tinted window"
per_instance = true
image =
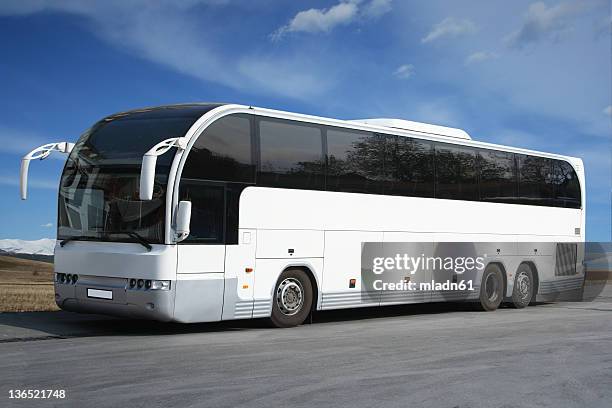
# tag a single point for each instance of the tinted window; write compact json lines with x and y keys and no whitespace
{"x":98,"y":197}
{"x":409,"y":167}
{"x":498,"y":181}
{"x":291,"y":155}
{"x":567,"y":186}
{"x":456,"y":173}
{"x":223,"y":152}
{"x":207,"y":211}
{"x":535,"y":180}
{"x":355,"y":161}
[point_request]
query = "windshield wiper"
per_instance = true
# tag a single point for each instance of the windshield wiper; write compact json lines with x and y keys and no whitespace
{"x":67,"y":240}
{"x":139,"y":238}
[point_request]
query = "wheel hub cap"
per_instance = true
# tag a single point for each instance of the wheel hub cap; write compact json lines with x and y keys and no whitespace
{"x":523,"y":285}
{"x":290,"y":296}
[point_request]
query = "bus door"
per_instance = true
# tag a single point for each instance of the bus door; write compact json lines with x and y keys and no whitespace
{"x":201,"y":256}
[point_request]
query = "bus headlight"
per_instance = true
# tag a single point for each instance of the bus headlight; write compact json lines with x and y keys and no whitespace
{"x":160,"y":285}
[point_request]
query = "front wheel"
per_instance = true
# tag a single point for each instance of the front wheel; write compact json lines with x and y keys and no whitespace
{"x":292,"y":299}
{"x":491,"y":288}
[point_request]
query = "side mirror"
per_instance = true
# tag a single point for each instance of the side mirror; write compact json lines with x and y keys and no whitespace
{"x":147,"y":177}
{"x":149,"y":160}
{"x":40,"y":153}
{"x":183,"y":219}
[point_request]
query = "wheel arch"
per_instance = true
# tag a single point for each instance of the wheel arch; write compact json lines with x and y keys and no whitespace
{"x":308,"y":270}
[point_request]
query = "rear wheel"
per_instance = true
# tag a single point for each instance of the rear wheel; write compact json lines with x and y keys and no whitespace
{"x":292,"y":299}
{"x":522,"y":294}
{"x":491,"y":288}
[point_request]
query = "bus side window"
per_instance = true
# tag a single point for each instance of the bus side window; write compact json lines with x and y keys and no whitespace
{"x":409,"y":167}
{"x":223,"y":152}
{"x":535,"y":180}
{"x":567,"y":187}
{"x":498,"y":182}
{"x":456,"y":176}
{"x":355,"y":161}
{"x":291,"y":155}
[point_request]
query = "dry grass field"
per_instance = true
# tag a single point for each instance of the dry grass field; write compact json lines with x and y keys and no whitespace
{"x":26,"y":285}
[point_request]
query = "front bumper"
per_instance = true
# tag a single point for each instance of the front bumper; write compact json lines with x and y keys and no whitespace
{"x":126,"y":302}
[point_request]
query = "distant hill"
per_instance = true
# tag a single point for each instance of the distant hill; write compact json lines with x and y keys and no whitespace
{"x":24,"y":270}
{"x":38,"y":250}
{"x":38,"y":258}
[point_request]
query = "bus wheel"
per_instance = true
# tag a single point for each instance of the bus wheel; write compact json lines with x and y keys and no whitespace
{"x":491,"y":288}
{"x":292,"y":299}
{"x":523,"y":287}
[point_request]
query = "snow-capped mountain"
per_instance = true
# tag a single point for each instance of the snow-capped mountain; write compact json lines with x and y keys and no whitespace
{"x":18,"y":246}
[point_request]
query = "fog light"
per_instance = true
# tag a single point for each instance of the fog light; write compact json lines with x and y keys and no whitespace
{"x":160,"y":285}
{"x":132,"y":282}
{"x":140,"y":283}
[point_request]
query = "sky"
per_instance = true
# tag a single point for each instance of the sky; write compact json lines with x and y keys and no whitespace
{"x":532,"y":74}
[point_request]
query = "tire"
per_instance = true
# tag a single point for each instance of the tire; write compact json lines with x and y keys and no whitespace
{"x":292,"y":299}
{"x":522,"y":294}
{"x":491,"y":288}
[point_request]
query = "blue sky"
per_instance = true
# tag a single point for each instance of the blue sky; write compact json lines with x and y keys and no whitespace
{"x":525,"y":73}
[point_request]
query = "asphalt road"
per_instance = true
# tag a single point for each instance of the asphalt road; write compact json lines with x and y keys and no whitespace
{"x":550,"y":355}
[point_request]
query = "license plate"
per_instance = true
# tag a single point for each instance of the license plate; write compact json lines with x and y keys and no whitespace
{"x":100,"y":294}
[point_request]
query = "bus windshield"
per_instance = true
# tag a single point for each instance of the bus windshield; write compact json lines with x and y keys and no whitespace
{"x":98,"y":197}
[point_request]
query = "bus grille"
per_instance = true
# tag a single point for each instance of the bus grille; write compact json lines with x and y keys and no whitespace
{"x":565,"y":263}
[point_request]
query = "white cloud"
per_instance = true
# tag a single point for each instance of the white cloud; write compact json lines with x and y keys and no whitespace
{"x":377,"y":8}
{"x":47,"y":225}
{"x":479,"y":56}
{"x":608,"y":110}
{"x":404,"y":71}
{"x":542,"y":22}
{"x":449,"y":27}
{"x":168,"y":33}
{"x":324,"y":20}
{"x":319,"y":20}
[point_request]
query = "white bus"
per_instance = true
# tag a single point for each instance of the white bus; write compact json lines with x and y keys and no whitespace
{"x":208,"y":212}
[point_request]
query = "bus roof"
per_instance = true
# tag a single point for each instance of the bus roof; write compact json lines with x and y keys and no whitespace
{"x":187,"y":110}
{"x":416,"y":127}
